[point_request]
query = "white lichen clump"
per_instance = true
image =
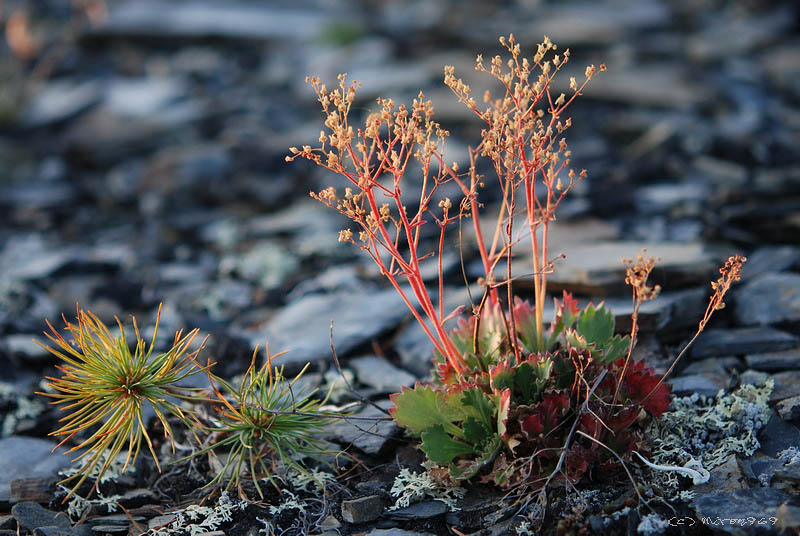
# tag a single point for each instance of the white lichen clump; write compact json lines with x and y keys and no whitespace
{"x":308,"y":479}
{"x":78,"y":505}
{"x":708,"y":430}
{"x":652,"y":525}
{"x":112,"y":473}
{"x":290,"y":503}
{"x":410,"y":487}
{"x":25,"y":409}
{"x":789,"y":456}
{"x":195,"y":519}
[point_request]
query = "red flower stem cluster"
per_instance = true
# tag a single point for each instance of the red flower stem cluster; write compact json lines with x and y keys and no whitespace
{"x":524,"y":146}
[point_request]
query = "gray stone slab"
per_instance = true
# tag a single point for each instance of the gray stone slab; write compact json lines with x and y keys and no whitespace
{"x":774,"y":361}
{"x":726,"y":342}
{"x":363,"y":509}
{"x":705,"y":385}
{"x":368,"y":436}
{"x":204,"y":19}
{"x":768,"y":299}
{"x":31,"y":515}
{"x":303,"y":327}
{"x":381,"y":375}
{"x":27,"y":457}
{"x":719,"y":507}
{"x":770,"y":259}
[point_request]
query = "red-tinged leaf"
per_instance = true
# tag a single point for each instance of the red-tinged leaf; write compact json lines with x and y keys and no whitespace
{"x":568,"y":305}
{"x":622,"y":419}
{"x":524,"y":311}
{"x":532,"y":425}
{"x":525,"y":320}
{"x":640,"y":382}
{"x":552,"y":408}
{"x":503,"y":399}
{"x":577,"y":462}
{"x":591,"y":425}
{"x":501,"y":376}
{"x":446,"y":373}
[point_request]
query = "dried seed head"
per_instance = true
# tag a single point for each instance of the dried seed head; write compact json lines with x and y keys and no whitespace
{"x":636,"y":274}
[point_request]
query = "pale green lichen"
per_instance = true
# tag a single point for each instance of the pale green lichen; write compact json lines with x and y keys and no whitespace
{"x":308,"y":479}
{"x":196,"y":519}
{"x":789,"y":456}
{"x":524,"y":529}
{"x":410,"y":487}
{"x":25,"y":408}
{"x":652,"y":525}
{"x":290,"y":503}
{"x":78,"y":505}
{"x":112,"y":472}
{"x":708,"y":430}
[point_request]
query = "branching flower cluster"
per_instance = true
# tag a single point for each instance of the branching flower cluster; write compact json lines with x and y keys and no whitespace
{"x":515,"y":403}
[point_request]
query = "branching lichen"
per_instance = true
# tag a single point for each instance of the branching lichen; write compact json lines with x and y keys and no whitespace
{"x":652,"y":525}
{"x":410,"y":487}
{"x":195,"y":519}
{"x":708,"y":430}
{"x":78,"y":505}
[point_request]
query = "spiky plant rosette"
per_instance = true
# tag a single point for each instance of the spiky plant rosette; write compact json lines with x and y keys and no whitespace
{"x":508,"y":420}
{"x":261,"y":423}
{"x":105,"y":387}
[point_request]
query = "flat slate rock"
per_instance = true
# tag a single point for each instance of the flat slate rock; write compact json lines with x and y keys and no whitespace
{"x":592,"y":262}
{"x":777,"y":436}
{"x":303,"y":327}
{"x":381,"y":375}
{"x":363,"y":509}
{"x":59,"y":101}
{"x":702,"y":384}
{"x":224,"y":20}
{"x":54,"y":531}
{"x":396,"y":532}
{"x":368,"y":436}
{"x":670,"y":310}
{"x":726,"y":342}
{"x":774,"y":361}
{"x":788,"y":517}
{"x":789,"y":408}
{"x":656,"y":84}
{"x":596,"y":267}
{"x":27,"y":457}
{"x":719,"y":508}
{"x":725,"y":477}
{"x":31,"y":515}
{"x":769,"y":299}
{"x":770,"y":259}
{"x":30,"y":257}
{"x":787,"y":384}
{"x":422,"y":510}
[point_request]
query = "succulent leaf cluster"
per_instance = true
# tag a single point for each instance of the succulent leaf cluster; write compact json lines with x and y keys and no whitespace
{"x":507,"y":419}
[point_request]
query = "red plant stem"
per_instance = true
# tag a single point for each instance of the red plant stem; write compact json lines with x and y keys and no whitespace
{"x":512,"y":330}
{"x":634,"y":334}
{"x":411,"y":268}
{"x":440,"y":271}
